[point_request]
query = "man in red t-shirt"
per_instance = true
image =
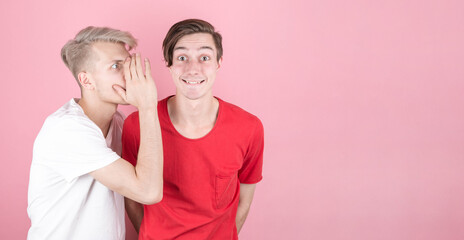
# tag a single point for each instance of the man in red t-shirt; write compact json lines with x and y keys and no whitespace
{"x":213,"y":150}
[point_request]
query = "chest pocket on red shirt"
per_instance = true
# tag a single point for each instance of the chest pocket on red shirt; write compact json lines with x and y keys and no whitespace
{"x":226,"y":186}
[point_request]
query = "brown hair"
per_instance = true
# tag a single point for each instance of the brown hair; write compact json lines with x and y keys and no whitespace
{"x":77,"y":52}
{"x":186,"y":27}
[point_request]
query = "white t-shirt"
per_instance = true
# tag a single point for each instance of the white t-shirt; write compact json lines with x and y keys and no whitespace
{"x":64,"y":201}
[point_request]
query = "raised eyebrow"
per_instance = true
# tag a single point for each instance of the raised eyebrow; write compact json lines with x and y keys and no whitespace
{"x":180,"y":48}
{"x":203,"y":47}
{"x":207,"y":47}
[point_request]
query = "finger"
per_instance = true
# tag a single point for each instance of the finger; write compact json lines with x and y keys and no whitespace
{"x":138,"y":64}
{"x":133,"y":67}
{"x":127,"y":73}
{"x":120,"y":91}
{"x":147,"y":68}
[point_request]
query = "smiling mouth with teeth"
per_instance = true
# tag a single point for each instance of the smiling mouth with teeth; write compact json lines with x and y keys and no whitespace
{"x":193,"y":82}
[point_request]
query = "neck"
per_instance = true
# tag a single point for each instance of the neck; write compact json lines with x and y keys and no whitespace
{"x":100,"y":113}
{"x":194,"y":113}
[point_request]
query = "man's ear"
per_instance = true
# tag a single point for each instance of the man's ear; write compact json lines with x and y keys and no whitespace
{"x":84,"y":79}
{"x":219,"y":63}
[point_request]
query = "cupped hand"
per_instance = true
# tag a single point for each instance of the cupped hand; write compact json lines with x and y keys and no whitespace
{"x":140,"y":89}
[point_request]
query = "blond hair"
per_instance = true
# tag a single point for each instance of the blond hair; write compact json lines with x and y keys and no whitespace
{"x":77,"y":52}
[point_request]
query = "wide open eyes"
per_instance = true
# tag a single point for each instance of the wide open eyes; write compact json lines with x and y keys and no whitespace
{"x":202,"y":58}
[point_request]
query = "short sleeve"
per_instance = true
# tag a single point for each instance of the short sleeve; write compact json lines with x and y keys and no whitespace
{"x":252,"y":168}
{"x":72,"y":146}
{"x":131,"y":138}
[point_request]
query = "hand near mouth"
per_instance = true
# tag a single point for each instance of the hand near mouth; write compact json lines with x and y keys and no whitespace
{"x":140,"y":88}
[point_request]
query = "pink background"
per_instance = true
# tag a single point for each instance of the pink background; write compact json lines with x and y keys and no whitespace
{"x":362,"y":103}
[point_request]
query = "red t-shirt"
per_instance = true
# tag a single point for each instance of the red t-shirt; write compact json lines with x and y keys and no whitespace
{"x":201,"y":176}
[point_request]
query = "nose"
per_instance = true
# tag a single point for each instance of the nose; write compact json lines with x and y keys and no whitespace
{"x":193,"y":67}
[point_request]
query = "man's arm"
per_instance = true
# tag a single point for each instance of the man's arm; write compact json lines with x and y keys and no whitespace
{"x":246,"y":197}
{"x":135,"y":212}
{"x":144,"y":182}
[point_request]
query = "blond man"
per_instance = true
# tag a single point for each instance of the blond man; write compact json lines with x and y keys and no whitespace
{"x":77,"y":175}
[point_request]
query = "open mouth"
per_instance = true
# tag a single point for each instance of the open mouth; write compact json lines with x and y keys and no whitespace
{"x":193,"y":82}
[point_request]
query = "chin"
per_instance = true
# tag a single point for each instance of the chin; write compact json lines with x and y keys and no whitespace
{"x":193,"y":96}
{"x":118,"y":102}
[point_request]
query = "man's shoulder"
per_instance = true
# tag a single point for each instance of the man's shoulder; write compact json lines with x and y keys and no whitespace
{"x":236,"y":113}
{"x":64,"y":127}
{"x":66,"y":122}
{"x":67,"y":115}
{"x":133,"y":118}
